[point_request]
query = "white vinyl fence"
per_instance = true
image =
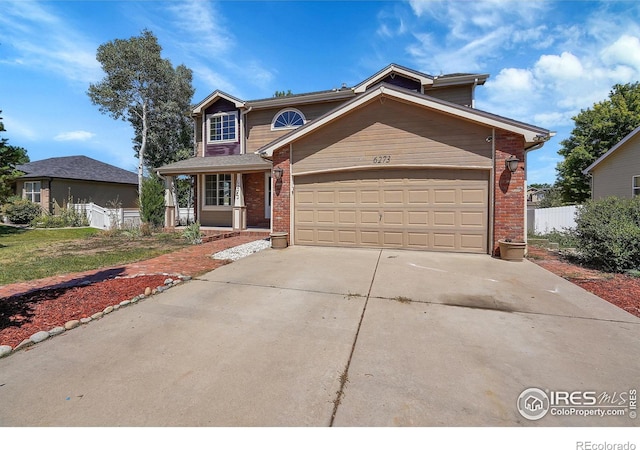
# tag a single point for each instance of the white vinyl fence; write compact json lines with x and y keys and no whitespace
{"x":545,"y":220}
{"x":108,"y":218}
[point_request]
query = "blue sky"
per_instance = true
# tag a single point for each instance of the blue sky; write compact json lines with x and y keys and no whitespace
{"x":546,"y":60}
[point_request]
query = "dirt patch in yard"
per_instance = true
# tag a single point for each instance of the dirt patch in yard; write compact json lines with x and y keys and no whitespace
{"x":618,"y":289}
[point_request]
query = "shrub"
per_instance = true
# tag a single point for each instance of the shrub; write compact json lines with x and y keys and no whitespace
{"x":68,"y":216}
{"x":21,"y":211}
{"x":192,"y":233}
{"x":152,"y":201}
{"x":608,"y":233}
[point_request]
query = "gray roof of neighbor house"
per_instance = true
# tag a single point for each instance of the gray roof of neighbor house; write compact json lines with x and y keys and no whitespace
{"x":77,"y":168}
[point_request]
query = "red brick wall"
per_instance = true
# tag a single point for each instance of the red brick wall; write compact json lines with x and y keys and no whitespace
{"x":254,"y":198}
{"x":281,"y":218}
{"x":509,"y":190}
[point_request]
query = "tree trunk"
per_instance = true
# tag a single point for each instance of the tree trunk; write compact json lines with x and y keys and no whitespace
{"x":143,"y":147}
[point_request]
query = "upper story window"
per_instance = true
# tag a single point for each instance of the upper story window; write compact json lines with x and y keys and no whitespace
{"x":222,"y":127}
{"x":636,"y":185}
{"x":32,"y":191}
{"x":288,"y":119}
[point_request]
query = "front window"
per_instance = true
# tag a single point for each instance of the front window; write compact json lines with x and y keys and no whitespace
{"x":222,"y":127}
{"x":217,"y":189}
{"x":636,"y":185}
{"x":32,"y":191}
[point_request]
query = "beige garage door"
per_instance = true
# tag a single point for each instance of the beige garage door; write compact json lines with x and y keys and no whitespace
{"x":444,"y":210}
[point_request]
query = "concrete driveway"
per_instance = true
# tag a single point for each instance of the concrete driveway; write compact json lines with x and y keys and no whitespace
{"x":344,"y":337}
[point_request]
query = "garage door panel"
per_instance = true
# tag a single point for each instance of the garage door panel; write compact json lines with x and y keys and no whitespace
{"x":442,"y":210}
{"x":472,"y":219}
{"x":392,"y":238}
{"x":371,"y":238}
{"x":326,"y":236}
{"x":444,"y":196}
{"x":444,"y":218}
{"x":370,"y":197}
{"x":471,"y":242}
{"x":417,"y":239}
{"x":473,"y":196}
{"x":369,"y":218}
{"x":393,"y":218}
{"x":325,"y":216}
{"x":418,"y":218}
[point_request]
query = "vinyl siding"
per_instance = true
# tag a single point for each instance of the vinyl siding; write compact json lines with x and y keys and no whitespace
{"x":614,"y":175}
{"x":210,"y":218}
{"x":407,"y":135}
{"x":259,"y":131}
{"x":462,"y":95}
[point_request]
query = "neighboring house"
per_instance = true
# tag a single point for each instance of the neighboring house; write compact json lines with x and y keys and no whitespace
{"x":617,"y":172}
{"x":401,"y":160}
{"x":54,"y":180}
{"x":535,"y":196}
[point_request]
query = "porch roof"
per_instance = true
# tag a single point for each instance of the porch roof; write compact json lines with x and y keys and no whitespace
{"x":249,"y":162}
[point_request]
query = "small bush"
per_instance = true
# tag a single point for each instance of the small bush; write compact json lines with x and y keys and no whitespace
{"x":152,"y":201}
{"x":192,"y":233}
{"x":565,"y":239}
{"x":68,"y":217}
{"x":608,"y":233}
{"x":21,"y":211}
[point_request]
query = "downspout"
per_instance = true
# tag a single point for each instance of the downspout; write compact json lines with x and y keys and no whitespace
{"x":473,"y":93}
{"x":243,"y":130}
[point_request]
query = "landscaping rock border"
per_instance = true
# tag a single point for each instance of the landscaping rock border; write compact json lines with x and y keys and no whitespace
{"x":41,"y":336}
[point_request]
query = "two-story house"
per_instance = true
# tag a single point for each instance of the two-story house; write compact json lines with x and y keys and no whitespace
{"x":403,"y":159}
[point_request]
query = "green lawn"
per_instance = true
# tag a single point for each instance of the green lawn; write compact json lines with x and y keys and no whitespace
{"x":27,"y":254}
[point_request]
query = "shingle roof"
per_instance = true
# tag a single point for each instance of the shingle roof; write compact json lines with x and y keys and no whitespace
{"x":77,"y":168}
{"x":229,"y":163}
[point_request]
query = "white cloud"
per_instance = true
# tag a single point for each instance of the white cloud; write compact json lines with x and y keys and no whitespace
{"x":39,"y":39}
{"x":564,"y":67}
{"x":624,"y":51}
{"x":74,"y":136}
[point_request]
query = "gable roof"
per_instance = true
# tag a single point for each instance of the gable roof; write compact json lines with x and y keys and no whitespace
{"x":423,"y":78}
{"x":533,"y":135}
{"x":624,"y":140}
{"x":77,"y":168}
{"x":215,"y":96}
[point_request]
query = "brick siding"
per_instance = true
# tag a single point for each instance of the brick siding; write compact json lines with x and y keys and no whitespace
{"x":254,"y":198}
{"x":509,"y":190}
{"x":281,"y":218}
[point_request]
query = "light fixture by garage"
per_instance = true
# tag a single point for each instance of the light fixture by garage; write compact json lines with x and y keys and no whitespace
{"x":277,"y":172}
{"x":511,"y":163}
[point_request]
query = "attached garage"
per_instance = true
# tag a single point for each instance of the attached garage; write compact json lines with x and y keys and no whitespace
{"x":399,"y":169}
{"x":444,"y":210}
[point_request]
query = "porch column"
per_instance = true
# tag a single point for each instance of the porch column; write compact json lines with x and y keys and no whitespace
{"x":170,"y":206}
{"x":239,"y":208}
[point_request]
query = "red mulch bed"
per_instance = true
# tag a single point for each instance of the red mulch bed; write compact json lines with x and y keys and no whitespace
{"x":23,"y":315}
{"x":618,"y":289}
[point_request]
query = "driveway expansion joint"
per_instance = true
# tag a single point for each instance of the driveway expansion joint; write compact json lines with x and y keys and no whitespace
{"x":344,"y":376}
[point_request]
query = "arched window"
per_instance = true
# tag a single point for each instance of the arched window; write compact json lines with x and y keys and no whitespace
{"x":287,"y":119}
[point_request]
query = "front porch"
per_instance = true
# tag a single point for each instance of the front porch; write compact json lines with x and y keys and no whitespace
{"x":230,"y":192}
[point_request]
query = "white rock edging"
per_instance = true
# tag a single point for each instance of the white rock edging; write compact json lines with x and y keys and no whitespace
{"x":6,"y":350}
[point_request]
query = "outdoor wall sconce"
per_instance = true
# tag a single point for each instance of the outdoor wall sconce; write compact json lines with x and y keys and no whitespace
{"x":277,"y":172}
{"x":511,"y":163}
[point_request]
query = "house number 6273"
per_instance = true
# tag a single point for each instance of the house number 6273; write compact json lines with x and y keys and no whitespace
{"x":382,"y":159}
